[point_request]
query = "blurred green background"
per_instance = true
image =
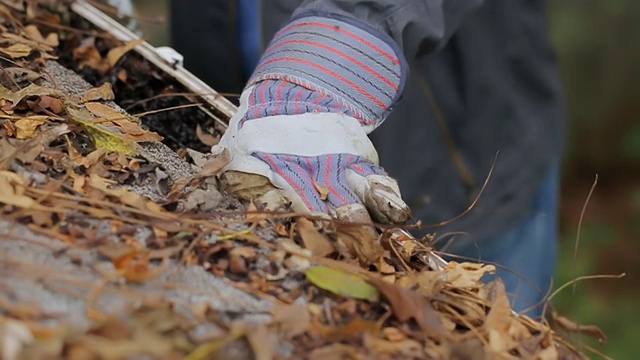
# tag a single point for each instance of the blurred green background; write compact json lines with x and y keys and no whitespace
{"x":598,"y":47}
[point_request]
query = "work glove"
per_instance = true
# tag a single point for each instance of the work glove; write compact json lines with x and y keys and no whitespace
{"x":300,"y":134}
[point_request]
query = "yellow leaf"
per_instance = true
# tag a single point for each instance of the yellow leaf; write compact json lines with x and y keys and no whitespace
{"x":129,"y":125}
{"x":341,"y":283}
{"x":101,"y":136}
{"x":116,"y":53}
{"x":27,"y":126}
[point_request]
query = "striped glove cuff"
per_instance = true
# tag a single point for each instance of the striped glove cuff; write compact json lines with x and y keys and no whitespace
{"x":328,"y":64}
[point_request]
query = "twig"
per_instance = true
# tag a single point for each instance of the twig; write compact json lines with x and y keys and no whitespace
{"x":580,"y":278}
{"x":577,"y":243}
{"x":470,"y":326}
{"x":151,"y":112}
{"x":103,"y":35}
{"x":473,"y":203}
{"x":183,"y":94}
{"x":597,"y":352}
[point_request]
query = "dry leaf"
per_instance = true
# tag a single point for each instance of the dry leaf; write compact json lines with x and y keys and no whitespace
{"x":341,"y":283}
{"x":463,"y":275}
{"x":12,"y":189}
{"x":238,"y":259}
{"x":359,"y":241}
{"x":407,"y":304}
{"x":89,"y":160}
{"x":16,"y":51}
{"x":352,"y":330}
{"x":88,"y":55}
{"x":134,"y":266}
{"x":126,"y":196}
{"x":263,"y":341}
{"x":14,"y":335}
{"x":133,"y":131}
{"x":28,"y":150}
{"x":55,"y":105}
{"x":499,"y":316}
{"x":499,"y":320}
{"x":101,"y":136}
{"x":430,"y":283}
{"x":291,"y":320}
{"x":129,"y":125}
{"x":199,"y":159}
{"x":201,"y":199}
{"x":246,"y":186}
{"x":144,"y":341}
{"x":205,"y":137}
{"x":102,"y":92}
{"x":19,"y":39}
{"x":551,"y":353}
{"x":20,"y":74}
{"x":104,"y":111}
{"x":122,"y":75}
{"x":400,"y":349}
{"x":26,"y":126}
{"x":393,"y":334}
{"x":387,"y":271}
{"x":323,"y":191}
{"x":31,"y":90}
{"x":337,"y":351}
{"x":295,"y":262}
{"x":10,"y":130}
{"x":571,"y":326}
{"x":254,"y":216}
{"x":312,"y":239}
{"x":281,"y":229}
{"x":116,"y":53}
{"x":213,"y":166}
{"x":33,"y":32}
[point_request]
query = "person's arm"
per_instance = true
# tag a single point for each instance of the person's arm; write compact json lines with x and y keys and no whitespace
{"x":417,"y":26}
{"x":330,"y":76}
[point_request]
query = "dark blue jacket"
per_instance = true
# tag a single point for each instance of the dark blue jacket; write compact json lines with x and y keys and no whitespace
{"x":483,"y":80}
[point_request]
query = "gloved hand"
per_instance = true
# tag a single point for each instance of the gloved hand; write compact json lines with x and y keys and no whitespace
{"x":301,"y":128}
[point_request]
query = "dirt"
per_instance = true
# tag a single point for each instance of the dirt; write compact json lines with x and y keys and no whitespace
{"x":142,"y":91}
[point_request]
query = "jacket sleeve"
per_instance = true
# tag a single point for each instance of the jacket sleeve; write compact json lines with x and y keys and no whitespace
{"x":418,"y":26}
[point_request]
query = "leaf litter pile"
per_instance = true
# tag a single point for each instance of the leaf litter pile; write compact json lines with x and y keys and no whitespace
{"x":113,"y":245}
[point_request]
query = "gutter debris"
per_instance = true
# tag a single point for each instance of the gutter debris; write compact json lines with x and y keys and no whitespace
{"x":116,"y":241}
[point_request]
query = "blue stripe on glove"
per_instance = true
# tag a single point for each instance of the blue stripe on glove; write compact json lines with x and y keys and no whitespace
{"x":328,"y":171}
{"x":278,"y":97}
